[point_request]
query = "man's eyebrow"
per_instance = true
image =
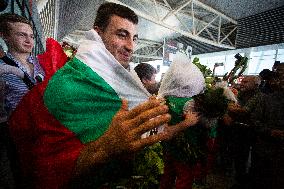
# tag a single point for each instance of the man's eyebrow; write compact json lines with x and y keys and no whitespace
{"x":123,"y":30}
{"x":135,"y":36}
{"x":25,"y":33}
{"x":127,"y":32}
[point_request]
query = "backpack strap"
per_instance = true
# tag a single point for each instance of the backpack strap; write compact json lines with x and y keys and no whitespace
{"x":26,"y":79}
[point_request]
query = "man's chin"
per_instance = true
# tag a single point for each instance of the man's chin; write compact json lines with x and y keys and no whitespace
{"x":125,"y":64}
{"x":26,"y":50}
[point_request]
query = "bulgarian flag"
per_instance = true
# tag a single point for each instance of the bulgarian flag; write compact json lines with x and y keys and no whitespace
{"x":73,"y":106}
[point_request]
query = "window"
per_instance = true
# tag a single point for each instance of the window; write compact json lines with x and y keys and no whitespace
{"x":280,"y":55}
{"x":261,"y":60}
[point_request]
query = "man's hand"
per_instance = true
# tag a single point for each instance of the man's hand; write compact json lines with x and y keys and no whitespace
{"x":124,"y":134}
{"x":232,"y":107}
{"x":227,"y":120}
{"x":277,"y":133}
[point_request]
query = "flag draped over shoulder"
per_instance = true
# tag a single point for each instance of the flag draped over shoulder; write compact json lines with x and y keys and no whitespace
{"x":72,"y":107}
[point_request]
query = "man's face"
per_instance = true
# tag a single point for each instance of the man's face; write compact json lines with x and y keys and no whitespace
{"x":281,"y":82}
{"x":280,"y":72}
{"x":151,"y":84}
{"x":248,"y":83}
{"x":20,"y":38}
{"x":119,"y":38}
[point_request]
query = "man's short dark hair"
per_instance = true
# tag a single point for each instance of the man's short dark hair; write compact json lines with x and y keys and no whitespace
{"x":266,"y":74}
{"x":145,"y":71}
{"x":7,"y":18}
{"x":107,"y":10}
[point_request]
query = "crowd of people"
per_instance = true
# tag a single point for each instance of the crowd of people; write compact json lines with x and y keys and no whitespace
{"x":256,"y":135}
{"x":78,"y":123}
{"x":55,"y":152}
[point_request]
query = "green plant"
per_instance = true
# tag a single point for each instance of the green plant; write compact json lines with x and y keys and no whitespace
{"x":212,"y":103}
{"x":205,"y":71}
{"x":241,"y":65}
{"x":149,"y":164}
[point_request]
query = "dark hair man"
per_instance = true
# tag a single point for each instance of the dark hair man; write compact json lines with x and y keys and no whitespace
{"x":116,"y":25}
{"x":95,"y":111}
{"x":147,"y":74}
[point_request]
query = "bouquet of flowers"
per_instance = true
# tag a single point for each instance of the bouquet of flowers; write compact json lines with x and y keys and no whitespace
{"x":183,"y":87}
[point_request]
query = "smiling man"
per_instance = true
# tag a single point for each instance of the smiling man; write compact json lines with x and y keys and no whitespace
{"x":119,"y":37}
{"x":91,"y":113}
{"x":18,"y":35}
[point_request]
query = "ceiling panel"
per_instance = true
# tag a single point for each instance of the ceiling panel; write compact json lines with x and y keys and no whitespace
{"x":80,"y":14}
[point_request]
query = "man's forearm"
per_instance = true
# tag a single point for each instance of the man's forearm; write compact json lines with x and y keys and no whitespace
{"x":94,"y":154}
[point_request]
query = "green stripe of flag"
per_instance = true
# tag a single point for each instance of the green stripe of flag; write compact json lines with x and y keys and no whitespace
{"x":81,"y":100}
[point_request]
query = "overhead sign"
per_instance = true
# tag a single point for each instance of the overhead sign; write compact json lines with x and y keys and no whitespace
{"x":170,"y":49}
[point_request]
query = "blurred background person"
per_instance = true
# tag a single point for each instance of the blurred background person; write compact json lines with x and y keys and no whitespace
{"x":242,"y":134}
{"x":266,"y":77}
{"x":18,"y":35}
{"x":268,"y":151}
{"x":18,"y":72}
{"x":147,"y":74}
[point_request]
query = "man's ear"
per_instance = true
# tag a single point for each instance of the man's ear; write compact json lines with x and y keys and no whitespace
{"x":2,"y":35}
{"x":97,"y":29}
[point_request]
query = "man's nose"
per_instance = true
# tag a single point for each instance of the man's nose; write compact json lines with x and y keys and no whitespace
{"x":129,"y":45}
{"x":29,"y":39}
